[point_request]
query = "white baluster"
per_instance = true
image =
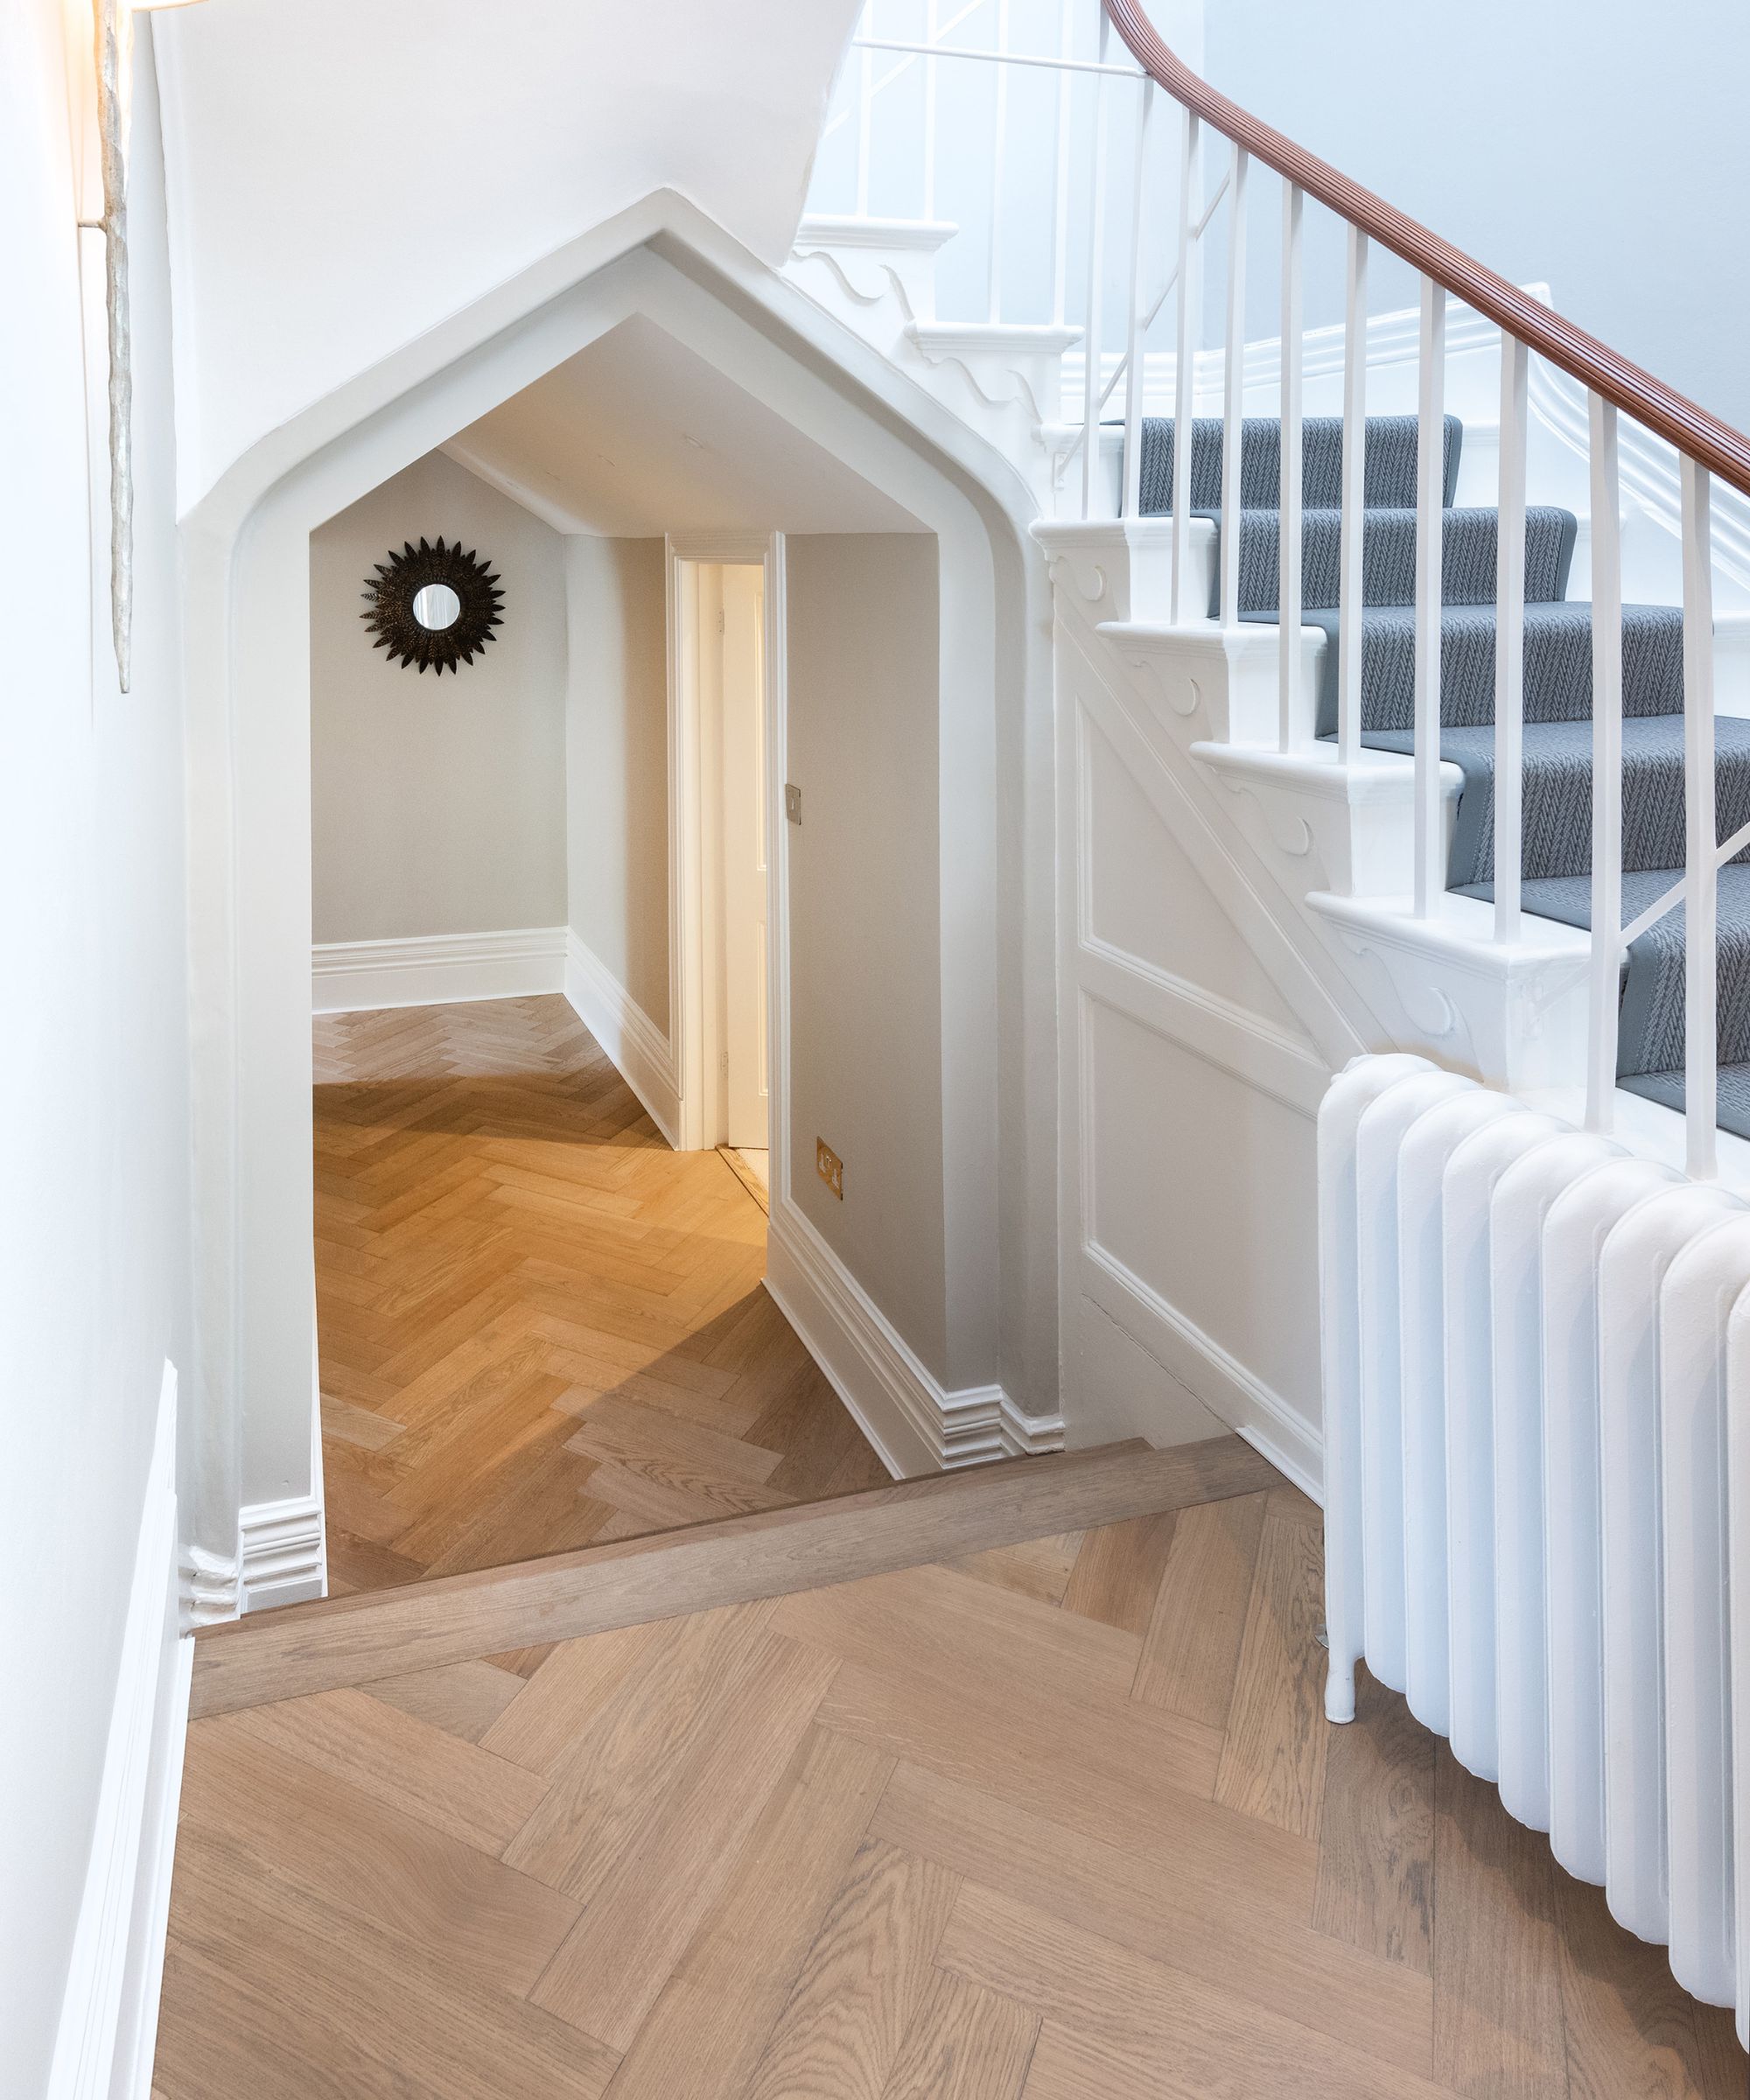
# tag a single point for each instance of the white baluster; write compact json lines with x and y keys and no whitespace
{"x":1000,"y":152}
{"x":1097,"y":263}
{"x":865,"y":111}
{"x":1135,"y":323}
{"x":1351,"y":592}
{"x":1604,"y":995}
{"x":1059,"y":240}
{"x":1289,"y":501}
{"x":1431,"y":457}
{"x":1701,"y":869}
{"x":1233,"y":391}
{"x":1184,"y":372}
{"x":1509,"y":640}
{"x":931,"y":33}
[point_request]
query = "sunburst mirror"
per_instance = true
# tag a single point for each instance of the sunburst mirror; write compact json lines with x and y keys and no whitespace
{"x":433,"y":607}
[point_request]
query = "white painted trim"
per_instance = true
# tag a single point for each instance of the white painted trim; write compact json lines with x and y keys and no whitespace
{"x":915,"y":1424}
{"x":634,"y":1045}
{"x":281,"y":1553}
{"x":245,"y":545}
{"x":281,"y":1557}
{"x":108,"y":2014}
{"x":437,"y":969}
{"x":1205,"y":1369}
{"x":826,"y":230}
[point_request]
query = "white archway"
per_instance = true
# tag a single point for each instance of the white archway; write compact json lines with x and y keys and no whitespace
{"x":252,"y":1459}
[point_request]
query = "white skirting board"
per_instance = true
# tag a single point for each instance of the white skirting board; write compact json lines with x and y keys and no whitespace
{"x":634,"y":1044}
{"x":108,"y":2016}
{"x":915,"y":1424}
{"x":437,"y":969}
{"x":281,"y":1557}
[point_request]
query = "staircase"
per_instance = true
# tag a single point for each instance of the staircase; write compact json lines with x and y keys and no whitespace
{"x":1556,"y":794}
{"x":1359,"y":810}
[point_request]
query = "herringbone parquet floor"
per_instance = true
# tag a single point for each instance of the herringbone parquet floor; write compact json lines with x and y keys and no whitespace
{"x":1063,"y":1822}
{"x":539,"y":1325}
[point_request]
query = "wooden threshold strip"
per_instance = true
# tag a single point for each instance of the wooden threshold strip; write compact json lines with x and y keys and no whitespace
{"x":342,"y":1640}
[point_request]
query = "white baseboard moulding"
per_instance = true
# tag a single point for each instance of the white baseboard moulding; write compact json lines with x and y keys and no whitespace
{"x":1234,"y":1395}
{"x":280,"y":1558}
{"x":915,"y":1424}
{"x":634,"y":1045}
{"x":108,"y":2016}
{"x":437,"y":969}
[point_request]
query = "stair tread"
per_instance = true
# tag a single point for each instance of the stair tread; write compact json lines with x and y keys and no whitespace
{"x":1556,"y":829}
{"x":284,"y":1654}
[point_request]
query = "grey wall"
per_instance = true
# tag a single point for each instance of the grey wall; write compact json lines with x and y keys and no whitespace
{"x":866,"y":1000}
{"x":95,"y":1203}
{"x":438,"y":805}
{"x":1600,"y":149}
{"x":617,"y":761}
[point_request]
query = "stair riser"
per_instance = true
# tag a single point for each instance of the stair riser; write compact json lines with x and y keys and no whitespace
{"x":1468,"y":551}
{"x":1557,"y":673}
{"x":1391,"y":472}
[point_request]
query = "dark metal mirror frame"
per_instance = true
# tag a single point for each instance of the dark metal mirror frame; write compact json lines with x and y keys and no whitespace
{"x":389,"y":605}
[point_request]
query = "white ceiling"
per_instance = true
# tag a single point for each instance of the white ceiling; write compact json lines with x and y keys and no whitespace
{"x":637,"y":435}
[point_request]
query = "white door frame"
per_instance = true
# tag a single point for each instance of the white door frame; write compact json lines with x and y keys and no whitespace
{"x":693,"y":881}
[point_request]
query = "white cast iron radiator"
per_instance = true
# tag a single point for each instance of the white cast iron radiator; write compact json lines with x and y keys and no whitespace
{"x":1536,"y":1368}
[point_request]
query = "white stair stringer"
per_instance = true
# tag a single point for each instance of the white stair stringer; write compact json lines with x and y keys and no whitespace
{"x":1536,"y":1364}
{"x":1329,"y":845}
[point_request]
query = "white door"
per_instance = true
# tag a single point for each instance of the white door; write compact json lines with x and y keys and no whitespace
{"x":743,"y":833}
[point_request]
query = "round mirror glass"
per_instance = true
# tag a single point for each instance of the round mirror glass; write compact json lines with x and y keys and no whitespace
{"x":435,"y":606}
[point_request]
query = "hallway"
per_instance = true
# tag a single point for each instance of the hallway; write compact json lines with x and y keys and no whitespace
{"x":539,"y":1325}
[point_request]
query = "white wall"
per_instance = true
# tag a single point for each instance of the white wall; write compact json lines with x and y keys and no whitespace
{"x":95,"y":1218}
{"x":348,"y":173}
{"x":438,"y":805}
{"x":616,"y":762}
{"x":1599,"y":148}
{"x":866,"y":1050}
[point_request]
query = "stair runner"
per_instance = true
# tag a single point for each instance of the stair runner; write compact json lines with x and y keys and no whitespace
{"x":1556,"y":806}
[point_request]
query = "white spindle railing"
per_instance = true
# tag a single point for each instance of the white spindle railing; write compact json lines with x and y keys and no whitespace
{"x":1431,"y":452}
{"x":1190,"y":272}
{"x":1091,"y":396}
{"x":1108,"y":210}
{"x":1234,"y":387}
{"x":999,"y":154}
{"x":1059,"y":240}
{"x":1701,"y":865}
{"x":1509,"y":638}
{"x":1605,"y":990}
{"x":1351,"y":586}
{"x":1291,"y":495}
{"x":1131,"y":502}
{"x":932,"y":90}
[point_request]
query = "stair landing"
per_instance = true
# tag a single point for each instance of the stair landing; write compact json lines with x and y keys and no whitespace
{"x":1029,"y":1821}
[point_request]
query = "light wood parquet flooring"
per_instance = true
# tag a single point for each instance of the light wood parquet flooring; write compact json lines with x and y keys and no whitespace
{"x":1062,"y":1821}
{"x":539,"y":1325}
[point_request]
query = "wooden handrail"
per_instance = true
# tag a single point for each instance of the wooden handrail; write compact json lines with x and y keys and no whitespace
{"x":1722,"y":451}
